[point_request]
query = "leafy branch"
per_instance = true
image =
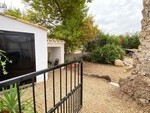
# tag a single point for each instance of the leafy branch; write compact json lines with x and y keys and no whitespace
{"x":3,"y":62}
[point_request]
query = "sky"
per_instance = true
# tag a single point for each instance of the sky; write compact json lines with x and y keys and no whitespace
{"x":117,"y":16}
{"x":111,"y":16}
{"x":13,"y":3}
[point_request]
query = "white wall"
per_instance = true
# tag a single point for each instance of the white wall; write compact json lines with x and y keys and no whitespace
{"x":40,"y":39}
{"x":56,"y":51}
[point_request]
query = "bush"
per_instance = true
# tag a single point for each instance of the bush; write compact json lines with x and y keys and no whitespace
{"x":124,"y":42}
{"x":130,"y":41}
{"x":87,"y":58}
{"x":90,"y":46}
{"x":9,"y":101}
{"x":107,"y":54}
{"x":101,"y":41}
{"x":108,"y":39}
{"x":134,"y":41}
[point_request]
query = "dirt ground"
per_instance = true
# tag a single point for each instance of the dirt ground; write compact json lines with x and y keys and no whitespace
{"x":114,"y":72}
{"x":101,"y":97}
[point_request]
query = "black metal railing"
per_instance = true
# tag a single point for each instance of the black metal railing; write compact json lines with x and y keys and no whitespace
{"x":61,"y":93}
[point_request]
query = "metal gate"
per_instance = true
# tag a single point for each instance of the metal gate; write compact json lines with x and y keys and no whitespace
{"x":66,"y":88}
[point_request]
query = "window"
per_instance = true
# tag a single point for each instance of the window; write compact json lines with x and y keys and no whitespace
{"x":20,"y":49}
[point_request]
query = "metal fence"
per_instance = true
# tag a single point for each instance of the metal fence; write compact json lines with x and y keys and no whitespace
{"x":67,"y":92}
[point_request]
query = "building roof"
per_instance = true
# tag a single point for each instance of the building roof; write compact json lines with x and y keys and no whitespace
{"x":55,"y":41}
{"x":23,"y":21}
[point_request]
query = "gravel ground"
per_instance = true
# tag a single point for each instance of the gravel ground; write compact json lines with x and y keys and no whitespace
{"x":114,"y":72}
{"x":99,"y":95}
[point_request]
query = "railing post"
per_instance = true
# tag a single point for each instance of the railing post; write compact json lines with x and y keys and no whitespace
{"x":19,"y":98}
{"x":81,"y":82}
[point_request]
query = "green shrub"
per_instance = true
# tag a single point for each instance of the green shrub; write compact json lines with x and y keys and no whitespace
{"x":131,"y":41}
{"x":107,"y":54}
{"x":125,"y":43}
{"x":87,"y":58}
{"x":101,"y":41}
{"x":9,"y":101}
{"x":108,"y":39}
{"x":134,"y":41}
{"x":90,"y":46}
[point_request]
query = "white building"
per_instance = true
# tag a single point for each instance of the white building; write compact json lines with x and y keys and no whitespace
{"x":55,"y":48}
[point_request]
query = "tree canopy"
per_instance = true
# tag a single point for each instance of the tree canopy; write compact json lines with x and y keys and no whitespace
{"x":66,"y":20}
